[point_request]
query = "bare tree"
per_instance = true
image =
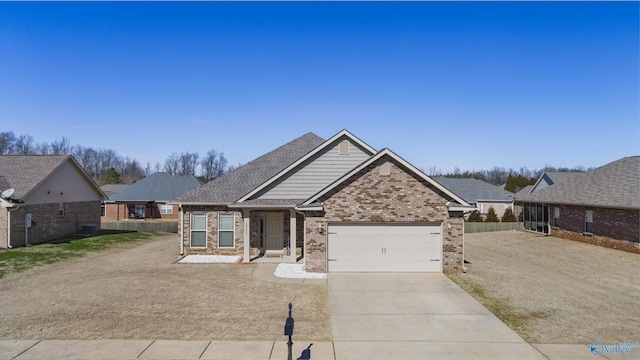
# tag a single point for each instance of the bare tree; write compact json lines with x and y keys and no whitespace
{"x":171,"y":164}
{"x":61,"y":147}
{"x":24,"y":145}
{"x":42,"y":148}
{"x":7,"y":142}
{"x":213,"y":165}
{"x":188,"y":163}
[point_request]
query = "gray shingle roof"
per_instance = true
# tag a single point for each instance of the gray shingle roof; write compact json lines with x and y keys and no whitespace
{"x":233,"y":185}
{"x":112,"y":189}
{"x":472,"y":190}
{"x":615,"y":185}
{"x":24,"y":172}
{"x":158,"y":187}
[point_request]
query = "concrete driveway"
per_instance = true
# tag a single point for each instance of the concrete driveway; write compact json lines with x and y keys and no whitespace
{"x":404,"y":316}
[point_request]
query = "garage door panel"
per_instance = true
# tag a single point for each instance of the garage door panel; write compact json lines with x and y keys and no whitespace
{"x":384,"y":248}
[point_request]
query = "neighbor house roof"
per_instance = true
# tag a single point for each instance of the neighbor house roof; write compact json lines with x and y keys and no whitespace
{"x":233,"y":185}
{"x":549,"y":178}
{"x":615,"y":185}
{"x":473,"y":190}
{"x":158,"y":187}
{"x":24,"y":173}
{"x":112,"y":189}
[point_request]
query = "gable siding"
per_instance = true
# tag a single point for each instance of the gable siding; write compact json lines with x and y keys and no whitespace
{"x":316,"y":173}
{"x":66,"y":184}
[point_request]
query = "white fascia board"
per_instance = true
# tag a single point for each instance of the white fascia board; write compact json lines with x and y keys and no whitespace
{"x":310,"y":208}
{"x":308,"y":156}
{"x":6,"y":204}
{"x":257,"y":206}
{"x":403,"y":162}
{"x":535,"y":186}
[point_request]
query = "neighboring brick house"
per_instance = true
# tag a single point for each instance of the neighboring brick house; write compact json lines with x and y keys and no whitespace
{"x":149,"y":198}
{"x":479,"y":193}
{"x":339,"y":204}
{"x":600,"y":206}
{"x":52,"y":198}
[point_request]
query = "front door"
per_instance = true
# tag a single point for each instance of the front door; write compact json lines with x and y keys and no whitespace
{"x":274,"y":231}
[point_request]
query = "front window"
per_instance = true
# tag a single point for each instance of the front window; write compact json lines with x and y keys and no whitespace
{"x":61,"y":209}
{"x":588,"y":221}
{"x":166,"y":209}
{"x":226,"y":230}
{"x":198,"y":230}
{"x":556,"y":217}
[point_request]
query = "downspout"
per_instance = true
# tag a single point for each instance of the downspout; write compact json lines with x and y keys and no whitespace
{"x":181,"y":229}
{"x":9,"y":225}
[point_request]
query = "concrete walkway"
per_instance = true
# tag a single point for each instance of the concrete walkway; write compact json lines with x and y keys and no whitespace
{"x":374,"y":316}
{"x":263,"y":350}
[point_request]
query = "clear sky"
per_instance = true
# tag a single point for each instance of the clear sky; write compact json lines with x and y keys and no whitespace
{"x":467,"y":84}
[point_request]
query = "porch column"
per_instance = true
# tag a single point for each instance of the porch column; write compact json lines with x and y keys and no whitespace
{"x":292,"y":235}
{"x":246,"y":220}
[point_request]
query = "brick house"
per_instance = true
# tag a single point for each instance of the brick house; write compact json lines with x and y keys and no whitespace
{"x":339,"y":204}
{"x":149,"y":198}
{"x":600,"y":206}
{"x":479,"y":193}
{"x":52,"y":198}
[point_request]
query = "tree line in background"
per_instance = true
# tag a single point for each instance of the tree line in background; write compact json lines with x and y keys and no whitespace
{"x":106,"y":166}
{"x":513,"y":180}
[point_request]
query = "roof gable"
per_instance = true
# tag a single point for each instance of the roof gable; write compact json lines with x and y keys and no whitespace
{"x":615,"y":185}
{"x":25,"y":173}
{"x":315,"y":170}
{"x":386,"y":152}
{"x":157,"y":187}
{"x":233,"y":185}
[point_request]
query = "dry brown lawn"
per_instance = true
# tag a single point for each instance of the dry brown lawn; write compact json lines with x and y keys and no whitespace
{"x":140,"y":292}
{"x":567,"y":292}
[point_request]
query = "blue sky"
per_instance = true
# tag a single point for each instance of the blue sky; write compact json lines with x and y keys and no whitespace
{"x":467,"y":84}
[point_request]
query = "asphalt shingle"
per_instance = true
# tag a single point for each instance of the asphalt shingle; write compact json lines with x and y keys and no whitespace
{"x":231,"y":186}
{"x":472,"y":190}
{"x":25,"y":172}
{"x":157,"y":187}
{"x":615,"y":185}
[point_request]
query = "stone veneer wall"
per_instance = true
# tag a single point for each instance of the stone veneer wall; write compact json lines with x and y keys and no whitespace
{"x":48,"y":224}
{"x":212,"y":230}
{"x":372,"y":197}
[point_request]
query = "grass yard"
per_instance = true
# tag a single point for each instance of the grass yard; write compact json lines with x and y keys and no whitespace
{"x":23,"y":258}
{"x":139,"y":292}
{"x":552,"y":290}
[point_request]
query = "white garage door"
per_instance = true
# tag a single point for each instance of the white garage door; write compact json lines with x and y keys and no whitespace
{"x":384,"y":248}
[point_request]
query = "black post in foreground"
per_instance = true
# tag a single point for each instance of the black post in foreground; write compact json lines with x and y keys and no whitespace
{"x":288,"y":331}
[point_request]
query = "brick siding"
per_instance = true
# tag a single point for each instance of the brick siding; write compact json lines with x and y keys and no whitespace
{"x":613,"y":228}
{"x":212,"y":231}
{"x":371,"y":197}
{"x":48,"y":224}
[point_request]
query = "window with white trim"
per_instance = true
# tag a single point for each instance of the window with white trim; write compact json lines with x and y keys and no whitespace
{"x":588,"y":221}
{"x":198,"y":231}
{"x":556,"y":217}
{"x":61,"y":209}
{"x":226,"y":225}
{"x":166,"y":209}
